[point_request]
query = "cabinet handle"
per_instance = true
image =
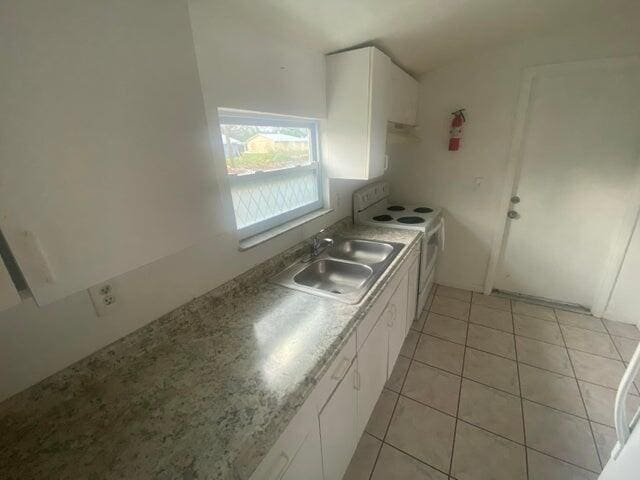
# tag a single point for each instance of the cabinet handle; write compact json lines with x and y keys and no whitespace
{"x":392,"y":313}
{"x":341,"y":369}
{"x":280,"y":466}
{"x":356,"y":380}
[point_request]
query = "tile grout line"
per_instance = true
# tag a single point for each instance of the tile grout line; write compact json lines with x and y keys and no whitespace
{"x":384,"y":436}
{"x":461,"y":376}
{"x":491,"y":433}
{"x":526,"y":447}
{"x":556,"y":322}
{"x":528,"y":338}
{"x":524,"y":428}
{"x":511,"y":394}
{"x":511,"y":359}
{"x":584,"y":404}
{"x":416,"y":458}
{"x":625,"y":366}
{"x":455,"y":425}
{"x":484,"y":430}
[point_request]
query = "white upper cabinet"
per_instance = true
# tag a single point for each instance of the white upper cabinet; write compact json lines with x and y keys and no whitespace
{"x":357,"y":113}
{"x":106,"y":163}
{"x":403,"y":106}
{"x":364,"y":92}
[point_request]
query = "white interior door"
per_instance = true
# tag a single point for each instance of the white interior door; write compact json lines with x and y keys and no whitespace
{"x":578,"y":156}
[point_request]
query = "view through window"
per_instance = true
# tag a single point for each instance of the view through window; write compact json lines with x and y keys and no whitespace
{"x":273,"y":169}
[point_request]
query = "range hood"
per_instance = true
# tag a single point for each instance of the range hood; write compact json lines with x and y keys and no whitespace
{"x":400,"y":133}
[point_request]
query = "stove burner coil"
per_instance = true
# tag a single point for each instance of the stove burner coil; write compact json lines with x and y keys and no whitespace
{"x":411,"y":220}
{"x":383,"y":218}
{"x":423,"y":210}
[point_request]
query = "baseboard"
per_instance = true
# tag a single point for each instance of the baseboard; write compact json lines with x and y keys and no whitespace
{"x":471,"y":288}
{"x":608,"y":315}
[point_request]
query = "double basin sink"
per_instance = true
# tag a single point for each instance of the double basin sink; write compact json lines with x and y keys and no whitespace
{"x":345,"y":271}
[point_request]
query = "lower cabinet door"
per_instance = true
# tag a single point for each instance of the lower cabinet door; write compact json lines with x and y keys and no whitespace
{"x":396,"y":317}
{"x":372,"y":370}
{"x":412,"y":294}
{"x":297,"y":453}
{"x":338,"y":427}
{"x":307,"y":463}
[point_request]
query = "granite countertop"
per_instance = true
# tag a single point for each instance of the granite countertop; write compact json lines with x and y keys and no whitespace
{"x":203,"y":392}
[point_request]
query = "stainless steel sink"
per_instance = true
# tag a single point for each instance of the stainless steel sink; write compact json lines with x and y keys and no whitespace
{"x":334,"y":276}
{"x":361,"y":251}
{"x":345,"y":271}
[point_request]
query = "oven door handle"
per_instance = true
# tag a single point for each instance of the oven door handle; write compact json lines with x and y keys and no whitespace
{"x":438,"y":228}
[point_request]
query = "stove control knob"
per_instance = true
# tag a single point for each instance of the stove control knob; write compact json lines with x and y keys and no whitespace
{"x":512,"y":214}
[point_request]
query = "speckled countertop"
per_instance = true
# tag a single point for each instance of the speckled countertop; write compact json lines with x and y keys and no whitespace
{"x":203,"y":392}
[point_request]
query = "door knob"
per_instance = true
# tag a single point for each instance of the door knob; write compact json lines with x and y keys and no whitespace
{"x":513,"y":214}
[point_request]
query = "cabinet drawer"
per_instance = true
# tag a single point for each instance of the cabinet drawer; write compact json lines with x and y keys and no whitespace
{"x":335,"y":373}
{"x":367,"y":324}
{"x":302,"y":429}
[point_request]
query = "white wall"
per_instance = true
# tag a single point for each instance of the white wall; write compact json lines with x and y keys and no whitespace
{"x":624,"y":304}
{"x":238,"y":69}
{"x":99,"y":100}
{"x":469,"y":183}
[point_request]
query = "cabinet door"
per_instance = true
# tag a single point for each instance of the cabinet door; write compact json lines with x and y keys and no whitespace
{"x":297,"y":448}
{"x":346,"y":131}
{"x":378,"y":112}
{"x":397,"y":321}
{"x":307,"y":463}
{"x":412,"y":294}
{"x":403,"y":95}
{"x":338,"y":428}
{"x":372,"y":370}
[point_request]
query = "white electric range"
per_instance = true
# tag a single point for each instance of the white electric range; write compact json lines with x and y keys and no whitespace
{"x":371,"y":206}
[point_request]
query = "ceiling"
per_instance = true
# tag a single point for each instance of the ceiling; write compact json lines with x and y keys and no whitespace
{"x":419,"y":35}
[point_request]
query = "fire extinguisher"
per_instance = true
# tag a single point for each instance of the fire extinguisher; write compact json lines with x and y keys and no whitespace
{"x":455,"y":134}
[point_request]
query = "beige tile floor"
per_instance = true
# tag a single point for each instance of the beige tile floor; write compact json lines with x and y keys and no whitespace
{"x":489,"y":389}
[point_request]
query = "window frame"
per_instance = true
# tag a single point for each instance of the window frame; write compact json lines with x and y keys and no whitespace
{"x":226,"y":116}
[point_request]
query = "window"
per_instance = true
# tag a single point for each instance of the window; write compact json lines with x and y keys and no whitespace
{"x":273,"y":168}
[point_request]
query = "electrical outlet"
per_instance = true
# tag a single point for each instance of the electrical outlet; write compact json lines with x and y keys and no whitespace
{"x":104,"y":299}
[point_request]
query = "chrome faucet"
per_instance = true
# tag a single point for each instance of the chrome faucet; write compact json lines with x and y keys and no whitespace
{"x":319,"y":245}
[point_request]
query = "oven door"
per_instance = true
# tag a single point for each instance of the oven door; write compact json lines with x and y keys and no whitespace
{"x":432,"y":243}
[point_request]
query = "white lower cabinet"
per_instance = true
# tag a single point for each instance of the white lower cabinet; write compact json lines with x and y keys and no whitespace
{"x":396,"y":319}
{"x":412,"y":293}
{"x":297,"y":453}
{"x":321,"y":439}
{"x":307,"y":463}
{"x":372,"y":371}
{"x":338,"y":427}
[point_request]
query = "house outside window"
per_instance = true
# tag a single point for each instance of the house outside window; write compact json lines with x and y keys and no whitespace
{"x":273,"y":168}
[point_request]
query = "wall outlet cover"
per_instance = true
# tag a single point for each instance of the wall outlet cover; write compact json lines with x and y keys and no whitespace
{"x":104,"y":298}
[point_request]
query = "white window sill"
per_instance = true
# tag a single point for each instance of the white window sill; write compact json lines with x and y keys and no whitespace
{"x":256,"y":240}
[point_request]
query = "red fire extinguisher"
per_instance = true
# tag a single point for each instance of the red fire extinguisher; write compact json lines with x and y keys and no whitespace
{"x":455,"y":134}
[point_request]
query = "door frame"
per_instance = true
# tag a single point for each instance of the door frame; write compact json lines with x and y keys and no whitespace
{"x":620,"y":238}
